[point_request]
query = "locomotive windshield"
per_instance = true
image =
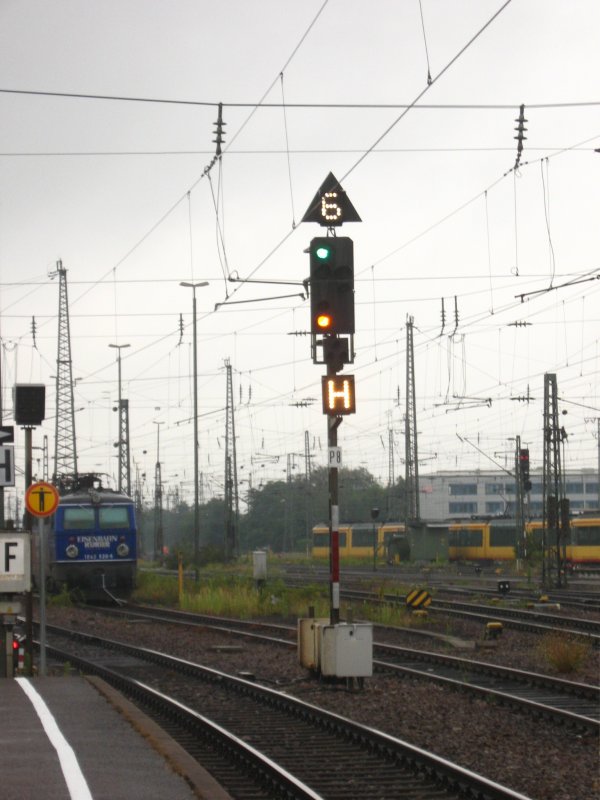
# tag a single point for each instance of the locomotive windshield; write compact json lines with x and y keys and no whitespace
{"x":78,"y":518}
{"x":115,"y":517}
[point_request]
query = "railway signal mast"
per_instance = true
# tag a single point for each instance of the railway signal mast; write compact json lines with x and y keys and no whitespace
{"x":332,"y":339}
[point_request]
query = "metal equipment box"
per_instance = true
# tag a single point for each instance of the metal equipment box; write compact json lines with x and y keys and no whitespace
{"x":308,"y":641}
{"x":346,"y":650}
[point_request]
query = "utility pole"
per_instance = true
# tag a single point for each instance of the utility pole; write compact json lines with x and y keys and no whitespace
{"x":124,"y":481}
{"x":65,"y":442}
{"x":158,"y":516}
{"x":193,"y":287}
{"x":307,"y":491}
{"x":391,"y":471}
{"x":522,"y":486}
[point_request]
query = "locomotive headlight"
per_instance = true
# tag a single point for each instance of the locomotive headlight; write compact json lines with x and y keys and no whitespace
{"x":122,"y":550}
{"x":72,"y":551}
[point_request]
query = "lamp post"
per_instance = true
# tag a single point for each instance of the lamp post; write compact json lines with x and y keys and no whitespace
{"x":121,"y":444}
{"x":193,"y":287}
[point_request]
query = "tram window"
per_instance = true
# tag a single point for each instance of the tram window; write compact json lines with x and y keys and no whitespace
{"x":502,"y":537}
{"x":464,"y":537}
{"x":342,"y":538}
{"x":320,"y":540}
{"x":363,"y":538}
{"x":115,"y":517}
{"x":78,"y":519}
{"x":586,"y":536}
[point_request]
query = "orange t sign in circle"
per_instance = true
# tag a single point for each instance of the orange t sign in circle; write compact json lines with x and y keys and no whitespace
{"x":41,"y":499}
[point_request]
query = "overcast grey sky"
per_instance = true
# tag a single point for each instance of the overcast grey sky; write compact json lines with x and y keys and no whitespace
{"x":117,"y":189}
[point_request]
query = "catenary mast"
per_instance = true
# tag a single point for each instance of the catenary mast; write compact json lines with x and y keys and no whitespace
{"x":231,"y":483}
{"x":413,"y":511}
{"x":65,"y":446}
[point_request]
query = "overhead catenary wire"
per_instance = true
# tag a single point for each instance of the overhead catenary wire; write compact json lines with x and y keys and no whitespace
{"x":265,"y":105}
{"x":287,"y":149}
{"x":425,"y":43}
{"x":388,"y":298}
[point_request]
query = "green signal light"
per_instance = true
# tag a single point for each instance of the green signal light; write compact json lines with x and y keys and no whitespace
{"x":323,"y":253}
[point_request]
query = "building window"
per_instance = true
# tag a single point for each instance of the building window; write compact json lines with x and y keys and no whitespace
{"x":591,"y":488}
{"x":494,"y":488}
{"x":536,"y":488}
{"x":462,"y":488}
{"x":574,"y":488}
{"x":462,"y":508}
{"x":494,"y":507}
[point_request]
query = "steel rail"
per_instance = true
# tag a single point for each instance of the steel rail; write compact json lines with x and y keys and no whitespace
{"x":438,"y":773}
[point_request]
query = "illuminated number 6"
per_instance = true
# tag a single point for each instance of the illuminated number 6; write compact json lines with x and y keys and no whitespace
{"x":330,"y":211}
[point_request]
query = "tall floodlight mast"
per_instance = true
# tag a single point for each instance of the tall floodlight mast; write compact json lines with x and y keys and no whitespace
{"x":65,"y":446}
{"x":413,"y":511}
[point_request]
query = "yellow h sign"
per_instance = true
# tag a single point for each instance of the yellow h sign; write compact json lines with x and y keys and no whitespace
{"x":338,"y":394}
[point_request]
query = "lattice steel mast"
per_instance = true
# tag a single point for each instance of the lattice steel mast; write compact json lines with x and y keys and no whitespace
{"x":65,"y":445}
{"x":413,"y":511}
{"x":232,"y":509}
{"x":554,"y":522}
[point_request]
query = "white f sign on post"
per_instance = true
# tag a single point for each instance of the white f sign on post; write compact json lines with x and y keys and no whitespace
{"x":15,"y":563}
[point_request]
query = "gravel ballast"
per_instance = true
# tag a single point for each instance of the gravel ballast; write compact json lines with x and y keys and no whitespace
{"x":540,"y":759}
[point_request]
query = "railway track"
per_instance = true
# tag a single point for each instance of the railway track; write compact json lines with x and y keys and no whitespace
{"x":541,"y":621}
{"x":567,"y":702}
{"x":261,"y":743}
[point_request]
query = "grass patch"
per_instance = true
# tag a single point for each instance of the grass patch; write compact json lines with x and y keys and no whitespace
{"x":231,"y":596}
{"x":227,"y":595}
{"x":564,"y":653}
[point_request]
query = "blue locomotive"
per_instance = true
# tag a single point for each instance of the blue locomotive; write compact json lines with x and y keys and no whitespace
{"x":92,"y":545}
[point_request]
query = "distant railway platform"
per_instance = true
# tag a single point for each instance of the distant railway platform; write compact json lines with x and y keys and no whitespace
{"x":72,"y":738}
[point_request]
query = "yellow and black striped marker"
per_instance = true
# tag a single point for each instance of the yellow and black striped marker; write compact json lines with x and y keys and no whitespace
{"x":418,"y":598}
